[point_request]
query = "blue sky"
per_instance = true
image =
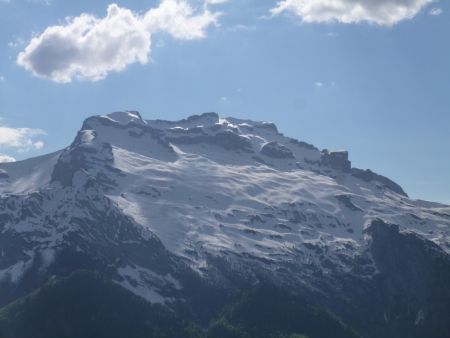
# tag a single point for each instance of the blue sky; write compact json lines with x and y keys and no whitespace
{"x":372,"y":77}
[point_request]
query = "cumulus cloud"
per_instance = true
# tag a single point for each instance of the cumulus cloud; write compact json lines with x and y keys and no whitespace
{"x":21,"y":139}
{"x":179,"y":19}
{"x":6,"y":158}
{"x":89,"y":48}
{"x":380,"y":12}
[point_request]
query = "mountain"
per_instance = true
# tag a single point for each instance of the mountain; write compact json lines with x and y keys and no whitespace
{"x":206,"y":219}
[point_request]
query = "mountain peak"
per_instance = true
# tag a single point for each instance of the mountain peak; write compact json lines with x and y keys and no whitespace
{"x":125,"y":117}
{"x":226,"y":141}
{"x":152,"y":204}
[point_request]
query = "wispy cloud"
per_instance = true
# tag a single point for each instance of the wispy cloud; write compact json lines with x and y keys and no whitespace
{"x":318,"y":84}
{"x":215,"y":2}
{"x":436,"y":11}
{"x":380,"y":12}
{"x":90,"y":48}
{"x":43,"y":2}
{"x":21,"y":139}
{"x":241,"y":28}
{"x":16,"y":43}
{"x":325,"y":85}
{"x":224,"y":99}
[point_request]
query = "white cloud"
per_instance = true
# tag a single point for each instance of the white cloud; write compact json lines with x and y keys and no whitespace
{"x":179,"y":19}
{"x":6,"y":158}
{"x":89,"y":48}
{"x":380,"y":12}
{"x":21,"y":139}
{"x":215,"y":2}
{"x":38,"y":145}
{"x":436,"y":11}
{"x":318,"y":84}
{"x":2,"y":78}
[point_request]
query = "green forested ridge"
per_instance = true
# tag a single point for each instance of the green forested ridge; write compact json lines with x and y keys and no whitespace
{"x":87,"y":305}
{"x":269,"y":312}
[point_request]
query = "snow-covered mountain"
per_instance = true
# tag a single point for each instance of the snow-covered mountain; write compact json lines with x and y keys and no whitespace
{"x":157,"y":204}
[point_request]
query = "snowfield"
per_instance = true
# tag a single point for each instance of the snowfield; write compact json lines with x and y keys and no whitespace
{"x":204,"y":186}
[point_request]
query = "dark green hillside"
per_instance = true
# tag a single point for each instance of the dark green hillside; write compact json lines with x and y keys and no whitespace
{"x":268,"y":312}
{"x":89,"y":306}
{"x":86,"y":305}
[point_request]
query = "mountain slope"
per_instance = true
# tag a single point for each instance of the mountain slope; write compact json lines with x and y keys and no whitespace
{"x":168,"y":209}
{"x":86,"y":305}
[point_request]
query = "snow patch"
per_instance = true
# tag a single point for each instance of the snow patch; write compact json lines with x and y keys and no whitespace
{"x":15,"y":272}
